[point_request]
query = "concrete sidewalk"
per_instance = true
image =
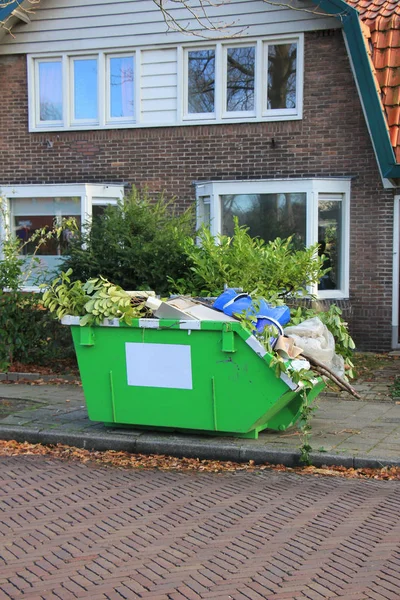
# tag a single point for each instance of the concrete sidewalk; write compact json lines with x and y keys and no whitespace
{"x":346,"y":432}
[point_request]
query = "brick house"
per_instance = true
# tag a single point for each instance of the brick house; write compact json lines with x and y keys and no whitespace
{"x":288,"y":118}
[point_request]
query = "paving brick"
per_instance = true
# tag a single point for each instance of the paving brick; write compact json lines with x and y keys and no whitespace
{"x":251,"y":536}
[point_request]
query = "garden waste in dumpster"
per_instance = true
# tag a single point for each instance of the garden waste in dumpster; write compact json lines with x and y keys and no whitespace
{"x":207,"y":376}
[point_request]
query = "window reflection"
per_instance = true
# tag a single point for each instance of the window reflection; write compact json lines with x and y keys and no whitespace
{"x":122,"y":86}
{"x":267,"y":215}
{"x":31,"y":215}
{"x":282,"y":75}
{"x":201,"y":81}
{"x":85,"y":89}
{"x":240,"y":79}
{"x":50,"y":91}
{"x":330,"y":241}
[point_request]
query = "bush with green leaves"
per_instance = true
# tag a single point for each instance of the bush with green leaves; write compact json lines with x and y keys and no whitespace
{"x":28,"y":334}
{"x":273,"y":270}
{"x":136,"y":244}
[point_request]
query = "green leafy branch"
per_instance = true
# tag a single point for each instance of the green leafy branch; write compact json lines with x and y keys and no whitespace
{"x":93,"y":301}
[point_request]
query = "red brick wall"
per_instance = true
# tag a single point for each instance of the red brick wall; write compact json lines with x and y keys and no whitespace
{"x":331,"y":140}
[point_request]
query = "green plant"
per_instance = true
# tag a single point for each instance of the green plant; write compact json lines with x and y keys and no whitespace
{"x":108,"y":301}
{"x":95,"y":300}
{"x":395,"y":388}
{"x":26,"y":332}
{"x":305,"y":380}
{"x":64,"y":297}
{"x":135,"y":244}
{"x":273,"y":270}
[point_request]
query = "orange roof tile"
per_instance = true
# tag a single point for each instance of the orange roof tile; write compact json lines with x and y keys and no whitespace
{"x":383,"y":20}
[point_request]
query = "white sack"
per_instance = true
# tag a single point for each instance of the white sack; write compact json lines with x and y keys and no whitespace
{"x":316,"y":340}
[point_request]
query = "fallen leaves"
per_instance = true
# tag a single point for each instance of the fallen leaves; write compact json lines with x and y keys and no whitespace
{"x":126,"y":460}
{"x":48,"y":381}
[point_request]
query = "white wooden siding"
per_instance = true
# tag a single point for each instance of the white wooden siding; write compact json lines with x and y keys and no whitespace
{"x":68,"y":25}
{"x":159,"y":80}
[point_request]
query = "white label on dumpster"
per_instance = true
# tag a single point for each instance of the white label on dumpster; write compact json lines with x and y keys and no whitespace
{"x":159,"y":365}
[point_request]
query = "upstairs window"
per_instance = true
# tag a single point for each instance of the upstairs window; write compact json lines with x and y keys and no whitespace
{"x":258,"y":80}
{"x":120,"y":81}
{"x":281,"y":65}
{"x":50,"y":91}
{"x":201,"y":82}
{"x":215,"y":82}
{"x":240,"y":79}
{"x":83,"y":91}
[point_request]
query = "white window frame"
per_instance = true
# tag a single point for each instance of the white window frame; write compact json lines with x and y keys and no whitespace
{"x":183,"y":118}
{"x":89,"y":194}
{"x":311,"y":187}
{"x":278,"y":113}
{"x":261,"y":112}
{"x":55,"y":123}
{"x":104,"y":121}
{"x":197,"y":116}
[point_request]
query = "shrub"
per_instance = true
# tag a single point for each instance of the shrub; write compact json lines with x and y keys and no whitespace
{"x":273,"y":270}
{"x":136,"y":244}
{"x":27,"y":333}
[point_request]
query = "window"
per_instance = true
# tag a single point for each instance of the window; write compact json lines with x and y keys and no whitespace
{"x":69,"y":91}
{"x":312,"y":211}
{"x":259,"y":80}
{"x":268,"y":215}
{"x":32,"y":207}
{"x":120,"y":79}
{"x":50,"y":91}
{"x":225,"y":81}
{"x":240,"y":79}
{"x":281,"y":66}
{"x":85,"y":89}
{"x":201,"y":81}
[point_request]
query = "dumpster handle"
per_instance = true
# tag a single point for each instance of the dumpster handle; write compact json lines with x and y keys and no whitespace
{"x":214,"y":403}
{"x":112,"y":397}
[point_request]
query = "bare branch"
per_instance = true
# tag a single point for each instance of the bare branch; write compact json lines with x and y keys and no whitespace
{"x":199,"y":15}
{"x":207,"y":26}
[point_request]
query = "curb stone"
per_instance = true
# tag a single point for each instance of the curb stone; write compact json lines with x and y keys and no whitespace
{"x":187,"y":446}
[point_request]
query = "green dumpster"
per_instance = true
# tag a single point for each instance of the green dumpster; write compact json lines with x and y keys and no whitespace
{"x":207,"y":376}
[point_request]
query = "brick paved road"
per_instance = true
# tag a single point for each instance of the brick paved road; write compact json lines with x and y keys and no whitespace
{"x":71,"y":530}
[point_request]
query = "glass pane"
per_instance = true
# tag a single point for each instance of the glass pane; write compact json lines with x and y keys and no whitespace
{"x":31,"y":214}
{"x":267,"y":215}
{"x":204,"y":214}
{"x":85,"y":88}
{"x":98,"y":210}
{"x":50,"y":91}
{"x":282,"y":75}
{"x":240,"y":79}
{"x":121,"y":86}
{"x":330,"y":242}
{"x":201,"y":81}
{"x":46,"y":206}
